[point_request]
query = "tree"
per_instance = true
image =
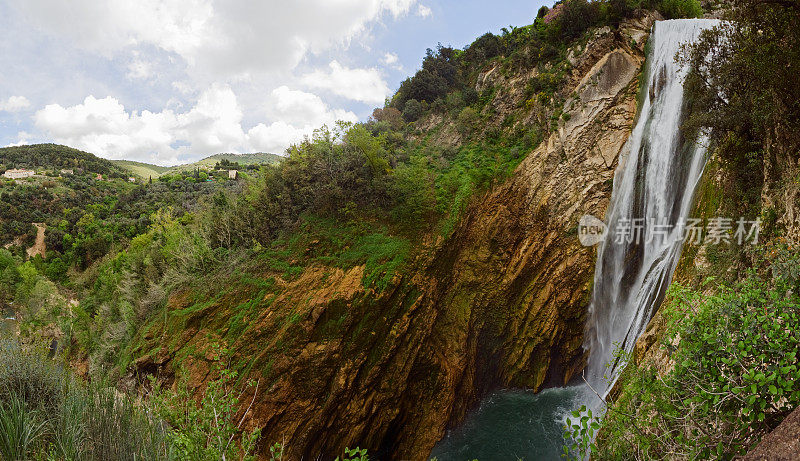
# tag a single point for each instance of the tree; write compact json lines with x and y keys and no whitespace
{"x":745,"y":89}
{"x":413,"y":191}
{"x":438,"y":76}
{"x":542,"y":12}
{"x":370,"y":147}
{"x":390,"y":115}
{"x":486,"y":47}
{"x":413,"y":110}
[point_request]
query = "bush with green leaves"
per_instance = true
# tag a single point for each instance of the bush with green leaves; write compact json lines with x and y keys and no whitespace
{"x":467,"y":120}
{"x":208,"y":428}
{"x":743,"y":88}
{"x":413,"y":110}
{"x":675,"y":9}
{"x":26,"y":374}
{"x":579,"y":433}
{"x":354,"y":454}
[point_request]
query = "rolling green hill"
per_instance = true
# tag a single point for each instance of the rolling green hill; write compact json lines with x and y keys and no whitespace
{"x":55,"y":157}
{"x":143,"y":170}
{"x":146,"y":170}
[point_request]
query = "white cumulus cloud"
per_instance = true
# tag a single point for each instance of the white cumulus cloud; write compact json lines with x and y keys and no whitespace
{"x":105,"y":127}
{"x":23,"y":138}
{"x":215,"y":75}
{"x":423,"y":11}
{"x":299,"y":114}
{"x":365,"y":85}
{"x":223,"y":38}
{"x":14,"y":104}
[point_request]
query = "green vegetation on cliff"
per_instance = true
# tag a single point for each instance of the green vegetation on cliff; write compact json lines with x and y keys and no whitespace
{"x":355,"y":194}
{"x":745,"y":91}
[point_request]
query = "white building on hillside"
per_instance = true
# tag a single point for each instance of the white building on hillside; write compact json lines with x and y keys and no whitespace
{"x":18,"y":174}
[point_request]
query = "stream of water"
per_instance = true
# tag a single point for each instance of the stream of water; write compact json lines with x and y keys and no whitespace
{"x":7,"y":322}
{"x":653,"y":190}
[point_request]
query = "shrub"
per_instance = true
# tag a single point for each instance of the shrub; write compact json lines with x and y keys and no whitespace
{"x":675,"y":9}
{"x":486,"y":47}
{"x":413,"y":189}
{"x":466,"y":121}
{"x":390,"y":115}
{"x":354,"y":454}
{"x":454,"y":101}
{"x":27,"y":374}
{"x":570,"y":19}
{"x":44,"y":411}
{"x":438,"y":76}
{"x":207,"y":429}
{"x":69,"y":428}
{"x":118,"y":428}
{"x":542,"y":12}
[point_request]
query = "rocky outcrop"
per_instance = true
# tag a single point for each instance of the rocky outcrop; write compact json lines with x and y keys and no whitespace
{"x":782,"y":444}
{"x":780,"y":195}
{"x":501,"y":303}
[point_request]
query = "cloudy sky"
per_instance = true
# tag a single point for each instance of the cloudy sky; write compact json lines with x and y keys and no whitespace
{"x":170,"y":81}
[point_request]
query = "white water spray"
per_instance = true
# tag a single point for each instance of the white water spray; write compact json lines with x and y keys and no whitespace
{"x":653,"y":186}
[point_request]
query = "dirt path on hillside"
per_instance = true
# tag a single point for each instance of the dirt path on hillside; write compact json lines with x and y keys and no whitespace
{"x":39,"y":246}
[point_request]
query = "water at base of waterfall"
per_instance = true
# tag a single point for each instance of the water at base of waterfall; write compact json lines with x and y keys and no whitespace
{"x":511,"y":425}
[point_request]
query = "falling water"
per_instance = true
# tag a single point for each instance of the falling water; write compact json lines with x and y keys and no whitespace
{"x":653,"y":189}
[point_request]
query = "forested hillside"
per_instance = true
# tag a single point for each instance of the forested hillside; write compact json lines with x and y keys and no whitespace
{"x":231,"y":161}
{"x":52,"y":157}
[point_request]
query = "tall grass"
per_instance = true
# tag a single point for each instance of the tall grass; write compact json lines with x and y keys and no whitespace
{"x":46,"y":414}
{"x":21,"y":429}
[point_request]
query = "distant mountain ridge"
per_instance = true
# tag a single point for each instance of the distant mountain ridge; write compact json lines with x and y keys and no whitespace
{"x":146,"y":170}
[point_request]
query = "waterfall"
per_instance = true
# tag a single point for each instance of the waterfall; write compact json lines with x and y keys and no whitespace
{"x":653,"y":188}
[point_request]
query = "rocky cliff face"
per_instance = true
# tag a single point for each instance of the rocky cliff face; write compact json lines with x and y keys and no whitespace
{"x":500,"y":303}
